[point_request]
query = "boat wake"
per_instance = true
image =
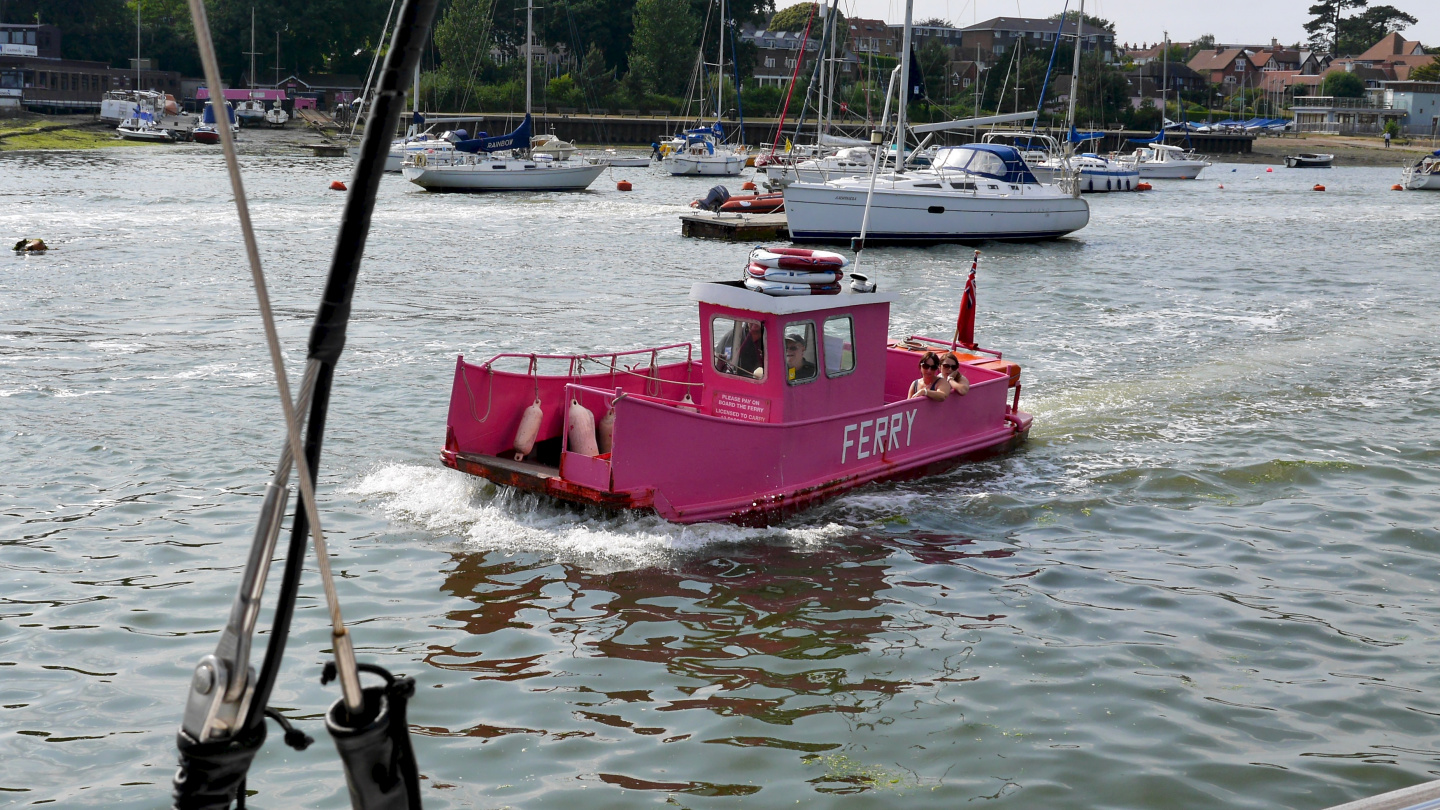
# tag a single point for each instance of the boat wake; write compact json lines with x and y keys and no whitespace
{"x":445,"y":502}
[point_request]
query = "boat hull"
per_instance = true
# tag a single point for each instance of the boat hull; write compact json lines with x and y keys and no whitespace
{"x":481,"y":177}
{"x":758,"y":512}
{"x":753,"y":473}
{"x":708,"y":166}
{"x":818,"y":213}
{"x":1417,"y":181}
{"x":1171,"y":170}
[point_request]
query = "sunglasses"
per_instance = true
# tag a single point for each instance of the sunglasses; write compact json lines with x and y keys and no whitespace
{"x":950,"y":365}
{"x":929,"y":366}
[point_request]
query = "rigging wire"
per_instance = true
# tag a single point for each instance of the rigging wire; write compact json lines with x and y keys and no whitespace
{"x":344,"y":650}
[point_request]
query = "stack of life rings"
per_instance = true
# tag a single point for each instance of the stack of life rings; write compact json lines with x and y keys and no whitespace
{"x":795,"y":271}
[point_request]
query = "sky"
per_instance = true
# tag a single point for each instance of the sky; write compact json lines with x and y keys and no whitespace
{"x":1239,"y":21}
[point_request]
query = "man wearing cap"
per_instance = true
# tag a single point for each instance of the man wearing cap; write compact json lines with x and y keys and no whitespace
{"x":797,"y":367}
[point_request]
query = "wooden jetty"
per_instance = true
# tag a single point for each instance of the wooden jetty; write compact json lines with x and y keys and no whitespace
{"x":735,"y":227}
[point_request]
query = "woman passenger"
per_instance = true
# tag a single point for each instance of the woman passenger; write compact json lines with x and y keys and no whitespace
{"x":930,"y":385}
{"x":950,"y":367}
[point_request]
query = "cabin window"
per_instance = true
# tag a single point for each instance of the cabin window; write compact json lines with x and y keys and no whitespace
{"x":839,"y":346}
{"x":739,"y":347}
{"x":800,"y":365}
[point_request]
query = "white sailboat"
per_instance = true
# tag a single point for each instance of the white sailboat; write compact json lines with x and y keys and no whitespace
{"x":1423,"y":174}
{"x":703,"y":151}
{"x":968,"y":193}
{"x":508,"y":163}
{"x":1095,"y":174}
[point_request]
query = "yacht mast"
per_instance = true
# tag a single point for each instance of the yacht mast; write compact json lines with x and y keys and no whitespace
{"x":904,"y":101}
{"x":720,"y":68}
{"x":1164,"y":79}
{"x":137,"y":47}
{"x":529,"y":49}
{"x":1074,"y":77}
{"x":252,"y":46}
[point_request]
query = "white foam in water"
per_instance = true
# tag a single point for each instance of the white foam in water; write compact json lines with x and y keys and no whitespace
{"x":447,"y":502}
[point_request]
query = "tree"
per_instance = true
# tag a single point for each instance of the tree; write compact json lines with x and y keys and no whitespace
{"x":1204,"y":42}
{"x":1091,"y":23}
{"x":462,"y":38}
{"x":936,"y":22}
{"x":793,"y":18}
{"x":1358,"y":33}
{"x":1427,"y":73}
{"x":663,"y":47}
{"x":1324,"y":25}
{"x":1340,"y":83}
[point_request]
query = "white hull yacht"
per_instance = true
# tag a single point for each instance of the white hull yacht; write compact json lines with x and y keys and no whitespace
{"x":970,"y":193}
{"x":1160,"y":161}
{"x":1423,"y":175}
{"x":854,"y":160}
{"x":1098,"y":175}
{"x":465,"y":172}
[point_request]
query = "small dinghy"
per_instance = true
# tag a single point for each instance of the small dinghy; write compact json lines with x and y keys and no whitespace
{"x":1309,"y":160}
{"x":755,"y":204}
{"x":789,"y":400}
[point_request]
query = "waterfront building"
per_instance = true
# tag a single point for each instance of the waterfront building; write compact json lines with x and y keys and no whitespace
{"x":34,"y":74}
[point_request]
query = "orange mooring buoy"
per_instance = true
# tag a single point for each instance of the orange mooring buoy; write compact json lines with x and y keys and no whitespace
{"x":623,"y":185}
{"x":1268,"y":169}
{"x":336,"y":185}
{"x":747,"y":186}
{"x":1222,"y":185}
{"x":1143,"y":186}
{"x":1397,"y":187}
{"x":1318,"y":187}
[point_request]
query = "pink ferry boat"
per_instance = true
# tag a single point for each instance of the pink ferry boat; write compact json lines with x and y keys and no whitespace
{"x":737,"y":434}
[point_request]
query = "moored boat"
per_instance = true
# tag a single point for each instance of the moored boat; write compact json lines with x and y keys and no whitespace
{"x":778,"y":430}
{"x":1309,"y":160}
{"x":1161,"y":161}
{"x":142,"y":127}
{"x":1423,"y":174}
{"x":971,"y":193}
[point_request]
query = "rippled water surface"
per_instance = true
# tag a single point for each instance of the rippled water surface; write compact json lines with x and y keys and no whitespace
{"x":1208,"y":580}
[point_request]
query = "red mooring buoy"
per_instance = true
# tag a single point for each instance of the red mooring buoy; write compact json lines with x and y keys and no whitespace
{"x":623,"y":185}
{"x":336,"y":185}
{"x":1318,"y":187}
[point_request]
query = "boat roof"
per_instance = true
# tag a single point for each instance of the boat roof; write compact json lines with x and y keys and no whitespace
{"x":736,"y":295}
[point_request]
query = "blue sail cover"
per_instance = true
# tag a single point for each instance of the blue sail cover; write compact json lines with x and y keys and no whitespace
{"x":1081,"y":137}
{"x":519,"y":139}
{"x":1155,"y":139}
{"x":208,"y":116}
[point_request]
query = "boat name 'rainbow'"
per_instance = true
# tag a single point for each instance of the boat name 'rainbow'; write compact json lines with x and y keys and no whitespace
{"x":885,"y":435}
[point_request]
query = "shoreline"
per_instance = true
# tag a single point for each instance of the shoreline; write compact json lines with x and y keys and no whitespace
{"x":58,"y":133}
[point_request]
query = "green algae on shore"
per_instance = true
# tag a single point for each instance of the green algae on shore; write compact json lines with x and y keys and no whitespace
{"x":29,"y":135}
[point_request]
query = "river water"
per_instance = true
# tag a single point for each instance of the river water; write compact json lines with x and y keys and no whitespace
{"x":1208,"y":579}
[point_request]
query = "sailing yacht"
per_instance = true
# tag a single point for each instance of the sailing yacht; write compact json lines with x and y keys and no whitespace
{"x":968,"y":193}
{"x":703,"y":151}
{"x":504,"y":163}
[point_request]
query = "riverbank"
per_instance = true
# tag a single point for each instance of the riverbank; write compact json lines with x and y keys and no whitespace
{"x":56,"y":132}
{"x":1348,"y":150}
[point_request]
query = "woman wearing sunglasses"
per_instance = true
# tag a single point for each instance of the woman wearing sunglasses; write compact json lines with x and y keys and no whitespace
{"x":950,"y":367}
{"x":930,"y":385}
